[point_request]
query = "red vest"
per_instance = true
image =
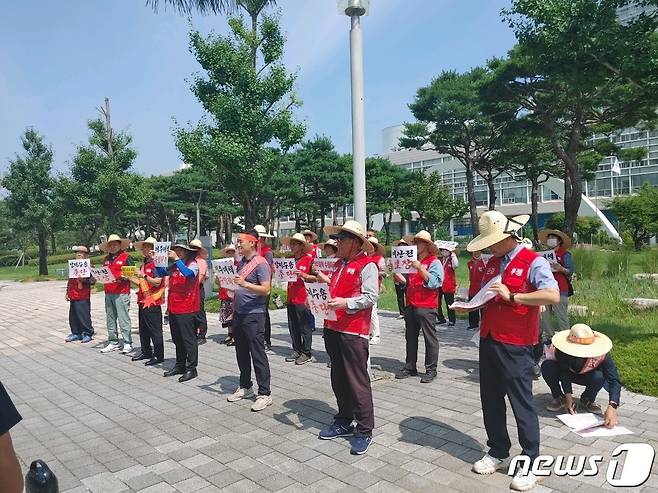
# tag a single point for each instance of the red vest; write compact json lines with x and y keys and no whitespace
{"x":184,"y":293}
{"x":561,"y":278}
{"x":263,"y":249}
{"x":511,"y":323}
{"x":346,"y":283}
{"x":117,"y":287}
{"x":380,"y":275}
{"x":449,"y":279}
{"x":316,"y":253}
{"x":76,"y":293}
{"x":475,"y":273}
{"x":148,"y":268}
{"x":418,"y":295}
{"x":297,"y":290}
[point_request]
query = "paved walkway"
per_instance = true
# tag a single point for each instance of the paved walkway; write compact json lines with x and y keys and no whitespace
{"x":106,"y":424}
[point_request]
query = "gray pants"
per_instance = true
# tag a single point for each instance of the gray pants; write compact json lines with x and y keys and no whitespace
{"x":560,"y":311}
{"x":116,"y":309}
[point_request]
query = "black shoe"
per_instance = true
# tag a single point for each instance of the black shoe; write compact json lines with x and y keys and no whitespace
{"x":441,"y":322}
{"x":200,"y":341}
{"x":405,"y":373}
{"x":428,"y":377}
{"x":188,"y":375}
{"x":451,"y":324}
{"x":139,"y":357}
{"x":176,"y":370}
{"x":153,"y":361}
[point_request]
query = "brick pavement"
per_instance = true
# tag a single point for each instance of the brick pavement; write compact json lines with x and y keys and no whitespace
{"x":106,"y":424}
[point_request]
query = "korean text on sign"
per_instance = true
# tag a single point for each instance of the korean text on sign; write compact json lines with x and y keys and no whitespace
{"x":317,"y":295}
{"x":161,"y":253}
{"x":103,"y":275}
{"x":551,"y":257}
{"x":326,"y":265}
{"x":284,"y":270}
{"x":225,"y":271}
{"x":79,"y":268}
{"x":402,"y":258}
{"x":128,"y":270}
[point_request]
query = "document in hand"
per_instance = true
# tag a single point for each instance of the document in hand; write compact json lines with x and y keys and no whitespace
{"x":483,"y":297}
{"x":590,"y":425}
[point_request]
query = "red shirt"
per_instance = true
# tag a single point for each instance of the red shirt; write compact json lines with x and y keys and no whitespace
{"x":297,"y":290}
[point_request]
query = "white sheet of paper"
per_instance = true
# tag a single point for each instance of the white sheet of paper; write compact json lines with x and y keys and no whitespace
{"x":102,"y":275}
{"x":317,"y":296}
{"x":284,"y":270}
{"x":590,"y":425}
{"x":446,"y":245}
{"x":483,"y":297}
{"x":402,"y":258}
{"x":224,"y":269}
{"x":161,"y":251}
{"x":79,"y":268}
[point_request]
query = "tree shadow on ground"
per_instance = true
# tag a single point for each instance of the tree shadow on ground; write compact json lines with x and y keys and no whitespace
{"x":427,"y":432}
{"x":310,"y":413}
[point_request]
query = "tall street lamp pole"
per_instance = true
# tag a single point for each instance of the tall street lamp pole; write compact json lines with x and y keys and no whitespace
{"x":355,"y":9}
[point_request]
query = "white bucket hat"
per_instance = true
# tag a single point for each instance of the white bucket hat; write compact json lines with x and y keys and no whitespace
{"x":583,"y":342}
{"x":198,"y":246}
{"x":262,"y":232}
{"x":355,"y":228}
{"x":495,"y":227}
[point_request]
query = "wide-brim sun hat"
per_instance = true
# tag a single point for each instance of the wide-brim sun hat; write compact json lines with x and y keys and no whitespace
{"x":379,"y":248}
{"x":355,"y":228}
{"x":198,"y":246}
{"x":329,"y":242}
{"x":582,"y":342}
{"x":543,"y":237}
{"x":80,"y":248}
{"x":297,"y":237}
{"x":148,"y":241}
{"x":422,"y":235}
{"x":400,"y":242}
{"x":262,"y":232}
{"x":184,"y":247}
{"x":125,"y":242}
{"x":494,"y":227}
{"x":230,"y":247}
{"x":310,"y":233}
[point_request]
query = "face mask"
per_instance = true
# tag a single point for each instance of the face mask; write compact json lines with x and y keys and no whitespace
{"x":551,"y":242}
{"x":445,"y":253}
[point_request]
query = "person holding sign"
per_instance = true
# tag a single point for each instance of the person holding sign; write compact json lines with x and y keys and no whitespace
{"x":150,"y":297}
{"x":422,"y":307}
{"x":201,"y":322}
{"x":299,"y":315}
{"x":476,"y":268}
{"x":562,"y":269}
{"x":329,"y":248}
{"x":265,"y":251}
{"x":450,"y":262}
{"x":78,"y":294}
{"x":377,"y":257}
{"x":117,"y":294}
{"x":254,"y":283}
{"x":353,"y":291}
{"x":400,"y":282}
{"x":509,"y":327}
{"x":226,"y":300}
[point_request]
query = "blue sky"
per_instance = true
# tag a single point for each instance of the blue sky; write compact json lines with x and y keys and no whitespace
{"x":58,"y":60}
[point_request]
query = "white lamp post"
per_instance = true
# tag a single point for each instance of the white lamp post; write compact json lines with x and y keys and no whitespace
{"x":355,"y":9}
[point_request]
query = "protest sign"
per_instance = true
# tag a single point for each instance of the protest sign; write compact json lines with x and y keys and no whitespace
{"x":402,"y":258}
{"x":103,"y":275}
{"x":317,"y":295}
{"x":224,"y":269}
{"x":128,"y":270}
{"x":326,"y":265}
{"x":284,"y":270}
{"x":483,"y":297}
{"x":79,"y":268}
{"x":551,"y":256}
{"x":446,"y":245}
{"x":161,"y":251}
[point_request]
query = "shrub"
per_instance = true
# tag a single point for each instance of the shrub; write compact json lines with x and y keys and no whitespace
{"x":617,"y":264}
{"x":649,"y":260}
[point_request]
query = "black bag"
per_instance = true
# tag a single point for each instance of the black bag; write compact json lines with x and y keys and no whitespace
{"x":40,"y":479}
{"x":570,"y":293}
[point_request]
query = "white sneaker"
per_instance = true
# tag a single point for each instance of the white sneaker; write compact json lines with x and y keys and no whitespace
{"x":240,"y":394}
{"x":127,"y":348}
{"x":111,"y":346}
{"x":262,"y":401}
{"x":489,"y":465}
{"x":375,"y":340}
{"x":523,"y":482}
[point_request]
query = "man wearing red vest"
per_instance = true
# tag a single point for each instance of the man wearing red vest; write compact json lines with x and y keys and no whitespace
{"x":265,"y":251}
{"x":509,"y":329}
{"x":312,"y":237}
{"x":450,"y":262}
{"x":117,"y":294}
{"x":562,"y":271}
{"x":353,"y":291}
{"x":422,"y":307}
{"x":378,"y":258}
{"x":78,"y":294}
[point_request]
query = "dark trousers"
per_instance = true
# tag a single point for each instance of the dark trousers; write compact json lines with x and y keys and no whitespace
{"x":593,"y":381}
{"x":267,"y":336}
{"x":200,"y":320}
{"x":506,"y":370}
{"x":183,"y":333}
{"x":400,"y":291}
{"x":80,"y":317}
{"x":150,"y":331}
{"x":417,"y":320}
{"x":473,"y":317}
{"x":249,"y":332}
{"x":450,"y":299}
{"x":299,"y":325}
{"x":350,"y":380}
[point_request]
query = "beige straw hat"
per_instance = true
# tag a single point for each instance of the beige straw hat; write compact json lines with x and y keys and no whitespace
{"x":229,"y":248}
{"x":198,"y":246}
{"x":422,"y":235}
{"x":262,"y":232}
{"x":400,"y":242}
{"x":80,"y":248}
{"x":495,"y":227}
{"x":583,"y":342}
{"x":379,"y":248}
{"x":150,"y":240}
{"x":297,"y":237}
{"x":330,"y":242}
{"x":311,"y":234}
{"x":543,"y":237}
{"x":125,"y":242}
{"x":355,"y":228}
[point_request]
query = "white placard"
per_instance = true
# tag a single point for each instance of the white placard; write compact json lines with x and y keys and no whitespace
{"x":483,"y":297}
{"x":317,"y":295}
{"x":402,"y":258}
{"x":446,"y":245}
{"x":326,"y":265}
{"x":588,"y":425}
{"x":284,"y":270}
{"x":551,"y":256}
{"x":102,"y":275}
{"x":79,"y":268}
{"x":161,"y":253}
{"x":224,"y":269}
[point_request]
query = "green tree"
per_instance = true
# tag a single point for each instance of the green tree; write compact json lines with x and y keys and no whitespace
{"x":30,"y":187}
{"x":638,"y":214}
{"x":586,"y":227}
{"x":250,"y":109}
{"x":577,"y":71}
